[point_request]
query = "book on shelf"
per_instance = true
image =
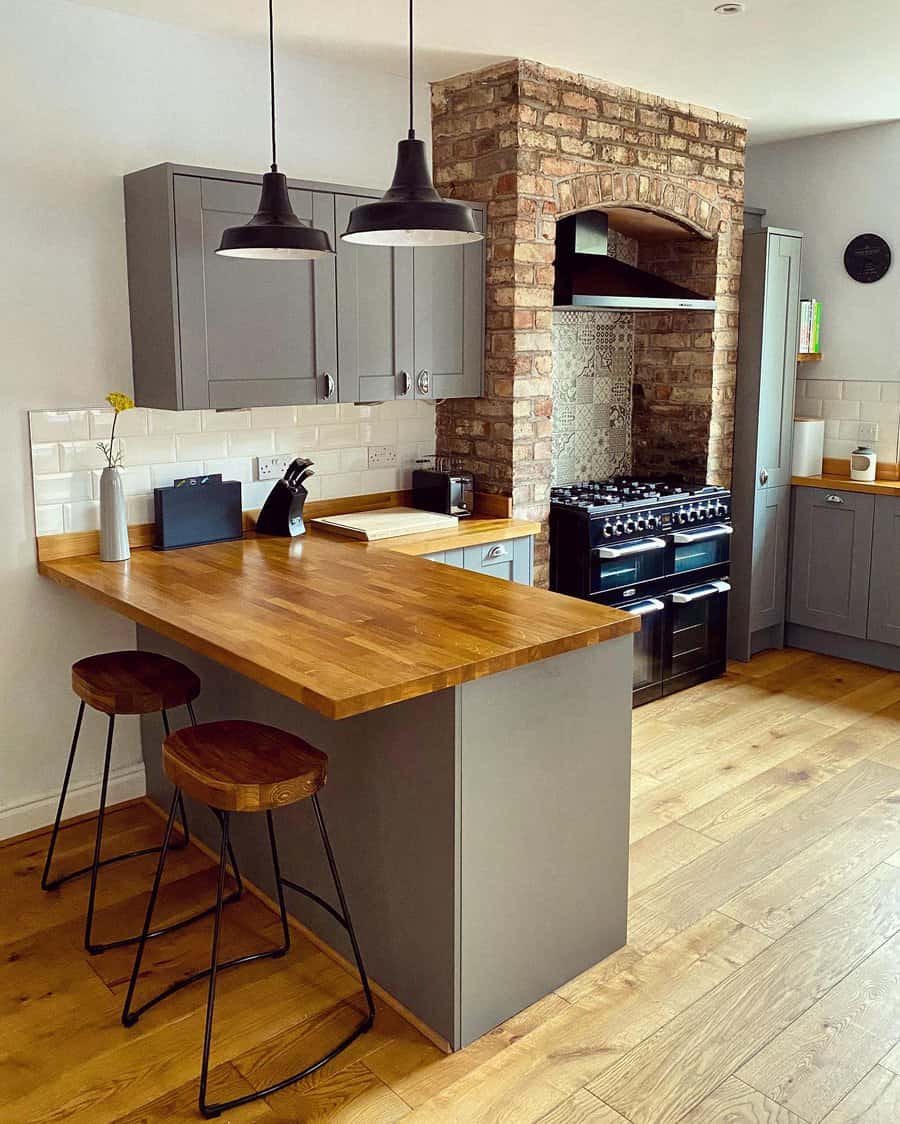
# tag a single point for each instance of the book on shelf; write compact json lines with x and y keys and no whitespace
{"x":810,"y":326}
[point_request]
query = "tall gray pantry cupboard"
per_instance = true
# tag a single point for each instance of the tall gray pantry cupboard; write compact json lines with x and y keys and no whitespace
{"x":764,"y":420}
{"x":369,"y":324}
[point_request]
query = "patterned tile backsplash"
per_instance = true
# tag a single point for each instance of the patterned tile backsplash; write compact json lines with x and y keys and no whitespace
{"x":593,"y":370}
{"x":160,"y":445}
{"x":849,"y":405}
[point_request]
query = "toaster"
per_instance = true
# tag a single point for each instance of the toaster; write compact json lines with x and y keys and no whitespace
{"x":449,"y":492}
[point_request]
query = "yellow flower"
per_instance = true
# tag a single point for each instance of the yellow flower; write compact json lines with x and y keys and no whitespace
{"x":120,"y":401}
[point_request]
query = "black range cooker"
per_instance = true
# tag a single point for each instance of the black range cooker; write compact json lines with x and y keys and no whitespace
{"x":659,"y":549}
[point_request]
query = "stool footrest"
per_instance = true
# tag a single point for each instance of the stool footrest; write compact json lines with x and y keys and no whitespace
{"x":341,"y":920}
{"x":122,"y":942}
{"x":179,"y":845}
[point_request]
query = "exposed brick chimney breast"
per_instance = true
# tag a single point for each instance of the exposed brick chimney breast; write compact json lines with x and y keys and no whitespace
{"x":536,"y":143}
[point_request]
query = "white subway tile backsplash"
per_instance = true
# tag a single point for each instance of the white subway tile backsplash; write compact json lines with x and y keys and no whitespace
{"x":48,"y":519}
{"x":62,"y":487}
{"x":224,"y":421}
{"x":234,"y":468}
{"x":342,"y":484}
{"x":173,"y":421}
{"x":849,"y":430}
{"x":81,"y":454}
{"x":379,"y":433}
{"x":861,"y":391}
{"x":354,"y":459}
{"x":254,"y":495}
{"x":821,"y":388}
{"x":200,"y":446}
{"x":251,"y":443}
{"x":415,"y":429}
{"x":271,"y":417}
{"x":131,"y":423}
{"x":45,"y":458}
{"x":839,"y":410}
{"x":808,"y":408}
{"x":890,"y":392}
{"x":338,"y":436}
{"x":135,"y":479}
{"x":406,"y":408}
{"x":318,"y":415}
{"x":59,"y":425}
{"x":349,"y":411}
{"x":383,"y":480}
{"x":152,"y":450}
{"x":165,"y":475}
{"x":81,"y":516}
{"x":327,"y":461}
{"x":296,"y":439}
{"x":886,"y":412}
{"x":140,"y":509}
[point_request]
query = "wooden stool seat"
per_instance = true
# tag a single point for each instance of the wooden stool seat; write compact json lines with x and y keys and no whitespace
{"x":133,"y":682}
{"x":243,"y":766}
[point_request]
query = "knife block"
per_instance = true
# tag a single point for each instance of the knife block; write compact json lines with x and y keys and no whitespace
{"x":282,"y":513}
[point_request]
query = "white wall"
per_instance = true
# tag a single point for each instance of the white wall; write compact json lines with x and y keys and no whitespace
{"x":89,"y":95}
{"x":833,"y":187}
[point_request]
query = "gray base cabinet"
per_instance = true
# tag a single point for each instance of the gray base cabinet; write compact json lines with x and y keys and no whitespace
{"x":884,"y":595}
{"x":368,"y":324}
{"x":511,"y":560}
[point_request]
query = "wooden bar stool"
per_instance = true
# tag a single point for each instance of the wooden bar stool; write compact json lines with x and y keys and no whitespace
{"x":245,"y":767}
{"x":123,"y":683}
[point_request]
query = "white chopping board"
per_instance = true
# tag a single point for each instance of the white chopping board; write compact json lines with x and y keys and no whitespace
{"x":386,"y":523}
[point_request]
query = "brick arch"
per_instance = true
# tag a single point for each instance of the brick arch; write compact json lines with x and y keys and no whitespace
{"x":641,"y":191}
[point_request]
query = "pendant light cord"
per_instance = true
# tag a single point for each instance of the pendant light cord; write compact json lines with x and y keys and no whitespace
{"x":272,"y":81}
{"x":412,"y":131}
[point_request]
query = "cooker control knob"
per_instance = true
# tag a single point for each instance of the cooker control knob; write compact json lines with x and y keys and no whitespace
{"x":702,"y":513}
{"x":642,"y":524}
{"x":607,"y":531}
{"x":681,"y":518}
{"x":721,"y":511}
{"x":692,"y":517}
{"x":618,"y":527}
{"x":630,"y":526}
{"x":652,"y":522}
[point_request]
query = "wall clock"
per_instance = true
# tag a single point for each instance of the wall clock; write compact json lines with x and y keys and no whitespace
{"x":867,"y":258}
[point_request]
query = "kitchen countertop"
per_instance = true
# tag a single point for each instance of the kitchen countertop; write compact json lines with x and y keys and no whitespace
{"x":340,"y":626}
{"x":845,"y":484}
{"x":474,"y":530}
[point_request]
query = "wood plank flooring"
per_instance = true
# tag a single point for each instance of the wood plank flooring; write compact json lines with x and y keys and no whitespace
{"x":760,"y":984}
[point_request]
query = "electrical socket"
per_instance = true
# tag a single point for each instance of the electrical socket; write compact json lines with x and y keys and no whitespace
{"x":383,"y":456}
{"x":867,"y":432}
{"x":270,"y":468}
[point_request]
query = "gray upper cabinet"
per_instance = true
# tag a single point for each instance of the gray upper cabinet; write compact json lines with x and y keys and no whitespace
{"x":210,"y":331}
{"x":764,"y":418}
{"x":449,"y":319}
{"x":375,"y":317}
{"x":884,"y":593}
{"x":831,"y":550}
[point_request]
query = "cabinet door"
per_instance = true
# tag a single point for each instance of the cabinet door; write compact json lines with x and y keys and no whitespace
{"x":768,"y":574}
{"x":252,"y":333}
{"x":830,"y":557}
{"x":778,"y":361}
{"x":375,"y":317}
{"x":509,"y":560}
{"x":884,"y":594}
{"x":449,"y":320}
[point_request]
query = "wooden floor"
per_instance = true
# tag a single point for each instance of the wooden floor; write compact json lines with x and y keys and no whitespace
{"x":760,"y":984}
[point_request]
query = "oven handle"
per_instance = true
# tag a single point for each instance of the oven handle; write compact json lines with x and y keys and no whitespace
{"x":698,"y":536}
{"x":643,"y":608}
{"x":685,"y":596}
{"x":642,"y":547}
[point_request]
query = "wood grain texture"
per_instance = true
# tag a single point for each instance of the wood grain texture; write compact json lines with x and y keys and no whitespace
{"x":334,"y":625}
{"x":888,"y":485}
{"x":472,"y":531}
{"x":875,"y":1100}
{"x":736,"y":1103}
{"x":241,"y":766}
{"x":133,"y":682}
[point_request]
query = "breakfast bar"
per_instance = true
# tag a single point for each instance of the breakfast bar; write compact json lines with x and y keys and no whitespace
{"x":478,"y":734}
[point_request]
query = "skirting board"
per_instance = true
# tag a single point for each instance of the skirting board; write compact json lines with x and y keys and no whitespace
{"x":844,"y":647}
{"x":126,"y":784}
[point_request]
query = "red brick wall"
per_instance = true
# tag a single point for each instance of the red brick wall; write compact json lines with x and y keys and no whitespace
{"x":535,"y":143}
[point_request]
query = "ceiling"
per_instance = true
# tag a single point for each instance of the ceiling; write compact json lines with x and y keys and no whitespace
{"x":792,"y":67}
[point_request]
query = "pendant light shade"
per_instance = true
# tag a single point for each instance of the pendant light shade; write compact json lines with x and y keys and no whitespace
{"x":411,"y":213}
{"x":274,"y":233}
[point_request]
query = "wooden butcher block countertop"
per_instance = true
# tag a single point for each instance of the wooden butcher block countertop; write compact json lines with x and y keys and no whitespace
{"x":339,"y":626}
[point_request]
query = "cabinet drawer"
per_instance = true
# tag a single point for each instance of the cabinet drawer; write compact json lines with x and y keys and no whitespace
{"x":509,"y":560}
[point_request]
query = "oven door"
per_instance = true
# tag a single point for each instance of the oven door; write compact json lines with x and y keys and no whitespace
{"x":623,"y":565}
{"x":648,"y":647}
{"x":695,"y":550}
{"x":695,"y":640}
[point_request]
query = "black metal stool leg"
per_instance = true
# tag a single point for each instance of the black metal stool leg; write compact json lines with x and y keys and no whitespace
{"x":46,"y":884}
{"x":98,"y":843}
{"x":279,"y":883}
{"x":213,"y":970}
{"x":182,"y":815}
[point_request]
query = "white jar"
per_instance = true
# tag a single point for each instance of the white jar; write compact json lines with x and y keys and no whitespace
{"x":862,"y":464}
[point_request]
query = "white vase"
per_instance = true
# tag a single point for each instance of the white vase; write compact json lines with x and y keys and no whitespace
{"x":113,"y":517}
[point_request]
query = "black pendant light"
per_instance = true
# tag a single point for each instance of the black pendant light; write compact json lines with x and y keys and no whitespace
{"x":274,"y":233}
{"x":411,"y":213}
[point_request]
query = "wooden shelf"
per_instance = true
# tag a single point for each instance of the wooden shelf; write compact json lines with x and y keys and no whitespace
{"x":809,"y":357}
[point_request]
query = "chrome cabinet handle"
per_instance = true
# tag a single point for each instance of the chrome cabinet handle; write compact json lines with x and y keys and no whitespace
{"x":423,"y":382}
{"x":764,"y":476}
{"x":707,"y":533}
{"x":685,"y":596}
{"x":498,"y":551}
{"x":834,"y":499}
{"x":642,"y":608}
{"x":405,"y":383}
{"x":641,"y":547}
{"x":329,"y":384}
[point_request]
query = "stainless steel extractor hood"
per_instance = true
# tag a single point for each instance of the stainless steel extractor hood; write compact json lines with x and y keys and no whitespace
{"x":586,"y":277}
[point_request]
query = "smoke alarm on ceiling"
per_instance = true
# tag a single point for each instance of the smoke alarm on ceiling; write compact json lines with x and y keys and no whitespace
{"x":735,"y":8}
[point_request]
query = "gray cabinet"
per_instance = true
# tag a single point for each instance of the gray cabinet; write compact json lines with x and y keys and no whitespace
{"x":449,"y":319}
{"x":209,"y":331}
{"x":884,"y":592}
{"x":375,"y":317}
{"x":510,"y":560}
{"x":764,"y":418}
{"x":831,"y":550}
